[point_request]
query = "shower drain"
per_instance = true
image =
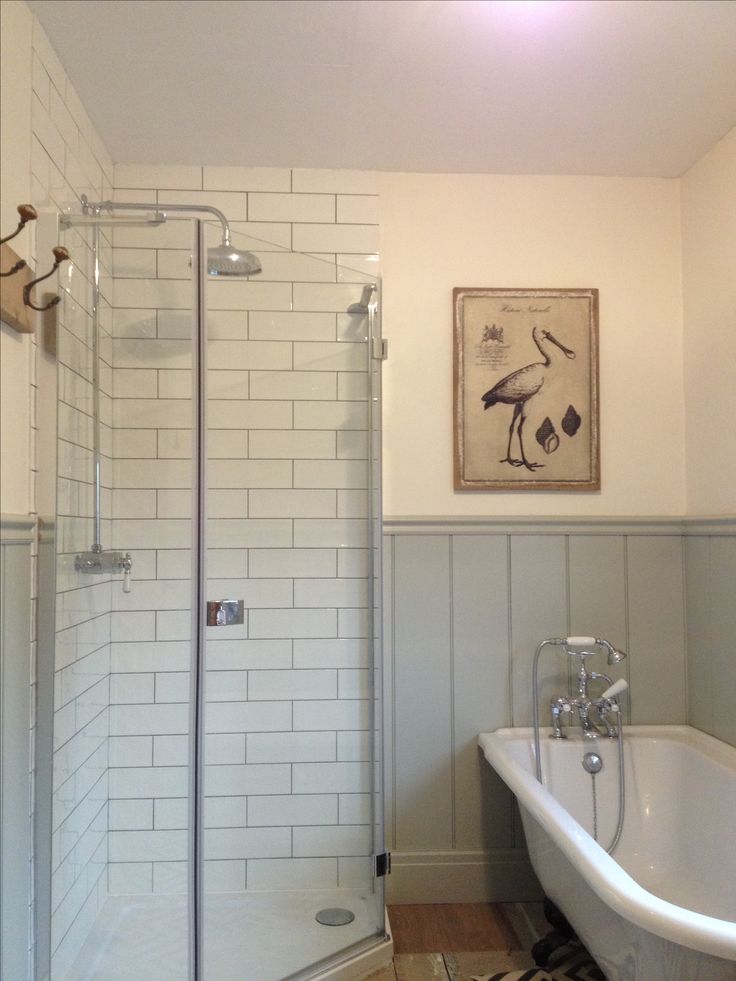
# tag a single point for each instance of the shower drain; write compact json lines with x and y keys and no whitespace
{"x":335,"y":917}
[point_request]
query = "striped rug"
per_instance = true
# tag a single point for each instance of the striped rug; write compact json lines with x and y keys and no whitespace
{"x":572,"y":965}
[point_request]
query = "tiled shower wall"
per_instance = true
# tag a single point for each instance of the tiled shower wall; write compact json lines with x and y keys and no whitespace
{"x":67,"y":160}
{"x":288,"y":710}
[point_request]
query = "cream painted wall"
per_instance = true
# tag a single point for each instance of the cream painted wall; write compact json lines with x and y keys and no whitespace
{"x":619,"y":235}
{"x":709,"y":292}
{"x":15,"y":188}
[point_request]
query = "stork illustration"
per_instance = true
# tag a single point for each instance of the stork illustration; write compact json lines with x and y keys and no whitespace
{"x":521,"y":386}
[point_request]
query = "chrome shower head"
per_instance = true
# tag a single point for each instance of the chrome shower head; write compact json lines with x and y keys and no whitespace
{"x":226,"y":260}
{"x":614,"y":656}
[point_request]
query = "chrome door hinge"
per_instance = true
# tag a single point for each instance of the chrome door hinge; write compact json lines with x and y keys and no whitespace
{"x":380,"y":348}
{"x":382,"y":864}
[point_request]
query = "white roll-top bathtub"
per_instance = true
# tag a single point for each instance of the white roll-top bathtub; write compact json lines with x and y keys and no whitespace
{"x":663,"y":908}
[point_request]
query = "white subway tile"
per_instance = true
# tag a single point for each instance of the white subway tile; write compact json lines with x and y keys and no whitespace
{"x":335,"y":181}
{"x":330,"y":592}
{"x":246,"y":295}
{"x":225,"y":812}
{"x":249,"y":533}
{"x":265,"y":563}
{"x":229,"y":384}
{"x":355,"y":746}
{"x":331,"y":778}
{"x":297,"y":267}
{"x":246,"y":179}
{"x":151,"y":656}
{"x":337,"y":840}
{"x":240,"y":655}
{"x":224,"y":876}
{"x":153,"y":473}
{"x":130,"y":751}
{"x":231,"y":203}
{"x":353,"y":504}
{"x":235,"y":843}
{"x":229,"y":414}
{"x":355,"y":873}
{"x":173,"y":263}
{"x":154,"y":532}
{"x":292,"y":623}
{"x":129,"y":878}
{"x":331,"y":714}
{"x":248,"y":717}
{"x":152,"y":414}
{"x":176,"y":324}
{"x":151,"y":175}
{"x":225,"y":748}
{"x":291,"y":873}
{"x":304,"y":444}
{"x":334,"y":297}
{"x":171,"y":813}
{"x":130,"y":815}
{"x":323,"y":356}
{"x":129,"y":720}
{"x":228,"y":325}
{"x":336,"y":533}
{"x":174,"y":444}
{"x":330,"y":473}
{"x":291,"y":207}
{"x":172,"y":687}
{"x":330,"y":415}
{"x":227,"y":504}
{"x":131,"y":688}
{"x":250,"y":473}
{"x":352,"y":445}
{"x":262,"y":236}
{"x":170,"y":750}
{"x":343,"y":653}
{"x":290,"y":747}
{"x":173,"y":625}
{"x":273,"y":326}
{"x":293,"y":385}
{"x":172,"y":504}
{"x":226,"y":444}
{"x":226,"y":686}
{"x":134,"y":263}
{"x":170,"y":878}
{"x":301,"y":809}
{"x":137,"y":352}
{"x":257,"y":355}
{"x":229,"y":563}
{"x":147,"y":846}
{"x":150,"y":781}
{"x":291,"y":503}
{"x":355,"y":808}
{"x":227,"y":781}
{"x":134,"y":323}
{"x":135,"y":443}
{"x":174,"y":294}
{"x":133,"y":626}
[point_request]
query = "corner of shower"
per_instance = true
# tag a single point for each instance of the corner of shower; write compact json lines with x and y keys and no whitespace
{"x":211,"y":787}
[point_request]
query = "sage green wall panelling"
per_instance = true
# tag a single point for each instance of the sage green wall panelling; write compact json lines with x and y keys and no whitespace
{"x":723,"y":636}
{"x":698,"y":607}
{"x":423,"y":684}
{"x":481,"y":696}
{"x":656,"y":629}
{"x":538,"y":610}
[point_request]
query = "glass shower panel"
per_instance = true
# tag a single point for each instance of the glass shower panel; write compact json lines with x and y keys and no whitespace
{"x":121,"y":776}
{"x":291,"y":809}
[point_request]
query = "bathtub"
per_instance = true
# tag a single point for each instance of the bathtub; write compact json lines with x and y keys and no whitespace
{"x":663,"y":908}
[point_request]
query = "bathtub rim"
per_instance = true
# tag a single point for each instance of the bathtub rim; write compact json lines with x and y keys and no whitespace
{"x":614,"y":886}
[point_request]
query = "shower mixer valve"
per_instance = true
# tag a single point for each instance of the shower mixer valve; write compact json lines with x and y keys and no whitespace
{"x":100,"y":563}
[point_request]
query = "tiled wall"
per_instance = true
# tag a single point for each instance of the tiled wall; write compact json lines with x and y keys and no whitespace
{"x":288,"y":717}
{"x":466,"y":606}
{"x":67,"y":160}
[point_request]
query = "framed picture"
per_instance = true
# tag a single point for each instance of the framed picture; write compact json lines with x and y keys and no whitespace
{"x":526,"y":389}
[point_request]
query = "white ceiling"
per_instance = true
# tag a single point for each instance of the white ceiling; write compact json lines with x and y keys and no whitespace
{"x":627,"y":87}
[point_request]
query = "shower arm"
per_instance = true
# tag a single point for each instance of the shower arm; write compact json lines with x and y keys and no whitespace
{"x":95,"y":207}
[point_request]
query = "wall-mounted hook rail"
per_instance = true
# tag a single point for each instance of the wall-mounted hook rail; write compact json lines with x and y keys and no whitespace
{"x":60,"y":255}
{"x":27,"y":213}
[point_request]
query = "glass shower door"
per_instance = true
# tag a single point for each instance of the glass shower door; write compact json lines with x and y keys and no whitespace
{"x":291,"y":810}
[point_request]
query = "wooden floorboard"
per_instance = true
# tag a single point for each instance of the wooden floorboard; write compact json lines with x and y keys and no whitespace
{"x":441,"y":927}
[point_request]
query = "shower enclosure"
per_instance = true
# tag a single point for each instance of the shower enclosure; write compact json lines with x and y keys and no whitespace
{"x":208,"y":789}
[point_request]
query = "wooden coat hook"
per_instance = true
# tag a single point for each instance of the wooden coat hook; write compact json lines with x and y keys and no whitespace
{"x":27,"y":213}
{"x":60,"y":255}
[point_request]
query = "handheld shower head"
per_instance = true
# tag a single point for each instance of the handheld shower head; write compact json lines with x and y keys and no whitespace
{"x":614,"y":656}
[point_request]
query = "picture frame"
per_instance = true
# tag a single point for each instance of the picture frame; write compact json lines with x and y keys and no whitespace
{"x":525,"y":391}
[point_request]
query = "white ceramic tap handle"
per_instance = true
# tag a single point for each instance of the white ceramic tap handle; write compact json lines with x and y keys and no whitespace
{"x":616,"y":688}
{"x":580,"y":641}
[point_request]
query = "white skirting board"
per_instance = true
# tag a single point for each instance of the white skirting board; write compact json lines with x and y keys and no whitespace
{"x":503,"y":875}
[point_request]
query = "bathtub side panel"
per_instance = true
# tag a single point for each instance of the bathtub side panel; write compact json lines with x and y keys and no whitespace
{"x":723,"y":635}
